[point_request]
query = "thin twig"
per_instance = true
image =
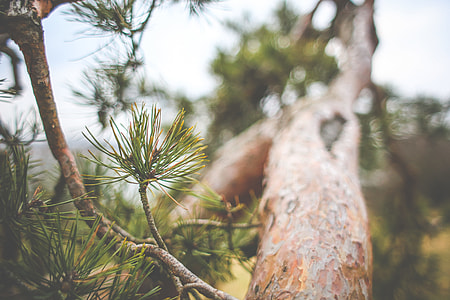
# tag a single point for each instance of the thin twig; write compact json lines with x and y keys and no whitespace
{"x":154,"y":230}
{"x":149,"y":216}
{"x":119,"y":230}
{"x":216,"y":224}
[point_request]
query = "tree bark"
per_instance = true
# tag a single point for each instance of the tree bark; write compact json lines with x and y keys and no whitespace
{"x":22,"y":21}
{"x":315,"y":240}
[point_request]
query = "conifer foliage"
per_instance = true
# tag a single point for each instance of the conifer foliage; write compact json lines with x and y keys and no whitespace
{"x":95,"y":243}
{"x":49,"y":253}
{"x":54,"y":251}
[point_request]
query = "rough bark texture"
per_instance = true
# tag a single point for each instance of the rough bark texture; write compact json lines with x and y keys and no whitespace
{"x":315,"y":242}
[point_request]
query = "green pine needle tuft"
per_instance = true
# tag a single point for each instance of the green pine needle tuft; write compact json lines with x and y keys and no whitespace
{"x":141,"y":154}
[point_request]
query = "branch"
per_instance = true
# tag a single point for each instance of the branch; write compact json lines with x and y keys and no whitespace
{"x":188,"y":287}
{"x":215,"y":224}
{"x":154,"y":230}
{"x":179,"y":270}
{"x":149,"y":216}
{"x":303,"y":23}
{"x":28,"y":35}
{"x":126,"y":235}
{"x":27,"y":32}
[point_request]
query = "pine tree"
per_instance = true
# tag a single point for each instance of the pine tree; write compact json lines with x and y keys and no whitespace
{"x":106,"y":247}
{"x":50,"y":251}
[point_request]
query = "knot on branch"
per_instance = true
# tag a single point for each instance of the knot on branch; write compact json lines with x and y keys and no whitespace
{"x":331,"y":129}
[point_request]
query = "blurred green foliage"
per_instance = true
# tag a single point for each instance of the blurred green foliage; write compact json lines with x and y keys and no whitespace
{"x":404,"y":147}
{"x":405,"y":168}
{"x":265,"y":73}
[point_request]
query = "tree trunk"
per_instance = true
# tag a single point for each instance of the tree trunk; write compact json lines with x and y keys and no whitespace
{"x":315,"y":240}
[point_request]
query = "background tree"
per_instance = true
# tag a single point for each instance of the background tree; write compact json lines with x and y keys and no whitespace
{"x":403,"y":138}
{"x":398,"y":138}
{"x":270,"y":70}
{"x":314,"y":223}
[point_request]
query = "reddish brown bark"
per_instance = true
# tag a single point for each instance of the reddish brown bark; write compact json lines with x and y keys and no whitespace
{"x":22,"y":22}
{"x":315,"y":241}
{"x":23,"y":25}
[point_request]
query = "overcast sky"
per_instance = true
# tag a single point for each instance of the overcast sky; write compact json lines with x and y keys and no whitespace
{"x":413,"y":55}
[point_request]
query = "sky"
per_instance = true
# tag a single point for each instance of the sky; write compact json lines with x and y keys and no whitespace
{"x":413,"y":55}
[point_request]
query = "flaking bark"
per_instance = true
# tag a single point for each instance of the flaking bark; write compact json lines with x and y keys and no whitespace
{"x":315,"y":241}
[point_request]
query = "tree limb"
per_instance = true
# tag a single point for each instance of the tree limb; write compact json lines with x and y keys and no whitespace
{"x":25,"y":29}
{"x":303,"y":23}
{"x":315,"y":240}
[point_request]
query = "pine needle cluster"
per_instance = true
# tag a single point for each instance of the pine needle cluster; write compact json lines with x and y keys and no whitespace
{"x":49,"y":252}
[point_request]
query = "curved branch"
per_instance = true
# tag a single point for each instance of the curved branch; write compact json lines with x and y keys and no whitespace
{"x":28,"y":35}
{"x":303,"y":23}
